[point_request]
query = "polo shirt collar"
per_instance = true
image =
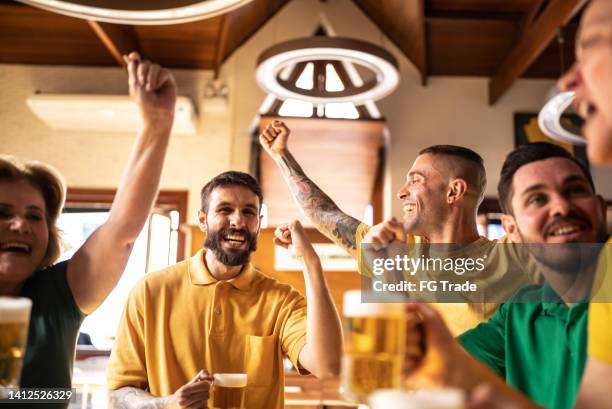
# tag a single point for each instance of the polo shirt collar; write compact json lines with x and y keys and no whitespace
{"x":199,"y":274}
{"x":552,"y":304}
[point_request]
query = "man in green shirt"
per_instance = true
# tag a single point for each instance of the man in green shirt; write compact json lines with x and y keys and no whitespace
{"x":537,"y":340}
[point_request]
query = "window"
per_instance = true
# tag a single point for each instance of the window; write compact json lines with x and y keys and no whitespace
{"x":158,"y":245}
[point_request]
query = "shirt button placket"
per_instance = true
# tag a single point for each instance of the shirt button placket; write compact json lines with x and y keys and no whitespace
{"x":218,"y":321}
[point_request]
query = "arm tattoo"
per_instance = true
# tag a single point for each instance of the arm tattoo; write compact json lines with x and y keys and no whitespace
{"x":130,"y":397}
{"x":318,"y":207}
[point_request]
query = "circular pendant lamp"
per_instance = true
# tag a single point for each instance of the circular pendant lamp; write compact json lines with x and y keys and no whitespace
{"x":142,"y":12}
{"x":551,"y":123}
{"x":275,"y":59}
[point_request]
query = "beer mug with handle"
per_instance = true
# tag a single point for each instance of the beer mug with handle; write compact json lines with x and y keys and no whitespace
{"x":14,"y":322}
{"x":229,"y":390}
{"x":374,"y":345}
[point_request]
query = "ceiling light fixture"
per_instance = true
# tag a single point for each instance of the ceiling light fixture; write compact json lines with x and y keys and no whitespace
{"x":275,"y":59}
{"x":150,"y":12}
{"x":550,"y":120}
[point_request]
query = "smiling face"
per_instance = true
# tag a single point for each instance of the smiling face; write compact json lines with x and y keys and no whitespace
{"x":553,"y":203}
{"x":231,"y":224}
{"x":423,"y":195}
{"x":24,"y":234}
{"x":591,"y":79}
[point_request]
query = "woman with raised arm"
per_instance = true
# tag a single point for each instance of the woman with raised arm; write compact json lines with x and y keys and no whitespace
{"x":31,"y":198}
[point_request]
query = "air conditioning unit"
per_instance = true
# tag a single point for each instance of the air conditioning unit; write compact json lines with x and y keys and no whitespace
{"x":103,"y":113}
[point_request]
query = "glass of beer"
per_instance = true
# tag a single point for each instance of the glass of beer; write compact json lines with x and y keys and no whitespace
{"x":374,"y":345}
{"x":229,"y":390}
{"x":14,"y":321}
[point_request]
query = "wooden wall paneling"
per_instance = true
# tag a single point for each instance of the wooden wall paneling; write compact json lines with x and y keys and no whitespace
{"x":341,"y":156}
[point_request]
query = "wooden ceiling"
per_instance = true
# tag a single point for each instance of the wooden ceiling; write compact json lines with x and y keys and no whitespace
{"x":500,"y":39}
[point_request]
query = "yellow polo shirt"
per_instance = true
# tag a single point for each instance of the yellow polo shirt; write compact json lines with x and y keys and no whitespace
{"x":500,"y":256}
{"x":180,"y":320}
{"x":600,"y":309}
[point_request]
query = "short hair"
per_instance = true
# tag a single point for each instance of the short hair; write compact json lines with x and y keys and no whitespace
{"x":525,"y":154}
{"x":478,"y":178}
{"x":49,"y":182}
{"x":230,"y":178}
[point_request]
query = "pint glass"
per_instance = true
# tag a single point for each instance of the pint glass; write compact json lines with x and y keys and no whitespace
{"x":14,"y":321}
{"x":374,"y":344}
{"x":229,"y":390}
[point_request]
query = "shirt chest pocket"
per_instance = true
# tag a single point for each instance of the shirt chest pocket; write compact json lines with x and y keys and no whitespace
{"x":261,"y":360}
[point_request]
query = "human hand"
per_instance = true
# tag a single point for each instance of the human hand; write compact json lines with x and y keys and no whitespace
{"x":385,"y":233}
{"x":154,"y":90}
{"x":433,"y":357}
{"x":274,"y":138}
{"x":193,"y":395}
{"x":293,"y":237}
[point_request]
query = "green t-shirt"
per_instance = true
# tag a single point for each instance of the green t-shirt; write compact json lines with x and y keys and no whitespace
{"x":536,"y":343}
{"x":54,"y":324}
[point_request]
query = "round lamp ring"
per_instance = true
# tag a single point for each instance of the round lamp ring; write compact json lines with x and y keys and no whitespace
{"x":151,"y":12}
{"x":275,"y":59}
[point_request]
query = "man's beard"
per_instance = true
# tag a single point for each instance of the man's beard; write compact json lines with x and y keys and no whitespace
{"x":567,"y":258}
{"x":228,"y":256}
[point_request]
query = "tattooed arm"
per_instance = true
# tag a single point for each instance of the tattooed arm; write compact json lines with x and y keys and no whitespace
{"x":314,"y":203}
{"x":194,"y":392}
{"x":130,"y":397}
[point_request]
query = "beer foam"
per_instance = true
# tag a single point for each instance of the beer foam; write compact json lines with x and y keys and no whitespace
{"x":15,"y":309}
{"x":230,"y":380}
{"x":353,"y":307}
{"x":449,"y":398}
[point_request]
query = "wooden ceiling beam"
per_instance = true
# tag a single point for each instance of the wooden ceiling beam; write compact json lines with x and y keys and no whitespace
{"x":119,"y":40}
{"x":221,"y":47}
{"x":530,"y":15}
{"x":534,"y":39}
{"x":249,"y":19}
{"x":403,"y":22}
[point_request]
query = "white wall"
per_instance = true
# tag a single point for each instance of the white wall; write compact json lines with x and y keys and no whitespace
{"x":90,"y":159}
{"x":448,"y":110}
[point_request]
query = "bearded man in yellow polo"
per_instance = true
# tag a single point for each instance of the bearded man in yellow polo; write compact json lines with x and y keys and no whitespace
{"x":216,"y":313}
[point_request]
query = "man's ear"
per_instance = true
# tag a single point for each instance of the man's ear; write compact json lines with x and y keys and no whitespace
{"x":457,"y":189}
{"x":202,"y":220}
{"x":604,"y":207}
{"x":511,"y":228}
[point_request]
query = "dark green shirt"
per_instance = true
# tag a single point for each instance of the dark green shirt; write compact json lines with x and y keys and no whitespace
{"x":536,"y":343}
{"x":54,"y":325}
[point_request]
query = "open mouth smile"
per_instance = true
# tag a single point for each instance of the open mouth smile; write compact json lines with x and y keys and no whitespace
{"x":15,"y":247}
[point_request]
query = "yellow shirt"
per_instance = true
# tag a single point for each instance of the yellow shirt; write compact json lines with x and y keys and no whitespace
{"x":600,"y":309}
{"x":180,"y":320}
{"x":501,"y":256}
